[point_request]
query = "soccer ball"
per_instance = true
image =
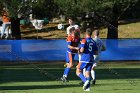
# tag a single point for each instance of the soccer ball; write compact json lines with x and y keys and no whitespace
{"x":60,"y":26}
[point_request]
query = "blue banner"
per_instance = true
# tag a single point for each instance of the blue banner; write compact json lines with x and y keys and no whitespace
{"x":54,"y":50}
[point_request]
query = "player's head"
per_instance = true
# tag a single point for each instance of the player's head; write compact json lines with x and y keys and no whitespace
{"x":96,"y":32}
{"x":71,"y":20}
{"x":72,"y":30}
{"x":88,"y":32}
{"x":76,"y":33}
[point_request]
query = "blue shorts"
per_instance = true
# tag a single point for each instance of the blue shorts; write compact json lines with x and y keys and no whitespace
{"x":69,"y":57}
{"x":88,"y":66}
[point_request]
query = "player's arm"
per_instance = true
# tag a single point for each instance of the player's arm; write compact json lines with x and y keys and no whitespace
{"x":95,"y":52}
{"x":103,"y":48}
{"x":95,"y":55}
{"x":81,"y":50}
{"x":69,"y":39}
{"x":72,"y":47}
{"x":95,"y":49}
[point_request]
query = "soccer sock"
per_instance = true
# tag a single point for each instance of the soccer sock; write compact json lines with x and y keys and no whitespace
{"x":84,"y":71}
{"x":82,"y":77}
{"x":66,"y":72}
{"x":93,"y":74}
{"x":88,"y":78}
{"x":88,"y":86}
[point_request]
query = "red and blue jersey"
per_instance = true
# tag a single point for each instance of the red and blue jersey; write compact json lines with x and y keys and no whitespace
{"x":90,"y":47}
{"x":72,"y":41}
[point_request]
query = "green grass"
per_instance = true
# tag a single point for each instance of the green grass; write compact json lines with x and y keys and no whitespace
{"x":43,"y":78}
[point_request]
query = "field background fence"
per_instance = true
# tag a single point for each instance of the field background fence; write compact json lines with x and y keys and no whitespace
{"x":54,"y":50}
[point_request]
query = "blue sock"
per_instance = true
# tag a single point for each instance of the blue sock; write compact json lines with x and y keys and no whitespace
{"x":66,"y":72}
{"x":82,"y":77}
{"x":88,"y":78}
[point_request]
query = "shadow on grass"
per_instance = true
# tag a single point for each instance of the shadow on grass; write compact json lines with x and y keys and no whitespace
{"x":23,"y":74}
{"x":36,"y":87}
{"x":129,"y":21}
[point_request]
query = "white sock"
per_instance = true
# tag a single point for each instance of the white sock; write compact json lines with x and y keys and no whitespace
{"x":65,"y":76}
{"x":93,"y":74}
{"x":84,"y":72}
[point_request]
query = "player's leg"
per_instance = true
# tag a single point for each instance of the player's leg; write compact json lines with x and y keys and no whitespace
{"x":79,"y":72}
{"x":84,"y":72}
{"x":86,"y":85}
{"x":69,"y":59}
{"x":81,"y":83}
{"x":93,"y":73}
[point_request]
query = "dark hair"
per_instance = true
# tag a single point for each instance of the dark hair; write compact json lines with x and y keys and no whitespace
{"x":72,"y":29}
{"x":72,"y":18}
{"x":96,"y":32}
{"x":89,"y":31}
{"x":76,"y":33}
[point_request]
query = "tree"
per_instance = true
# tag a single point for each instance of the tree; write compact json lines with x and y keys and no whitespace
{"x":74,"y":7}
{"x":106,"y":11}
{"x":45,"y":8}
{"x":111,"y":11}
{"x":117,"y":10}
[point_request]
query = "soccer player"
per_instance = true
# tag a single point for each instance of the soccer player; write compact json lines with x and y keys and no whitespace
{"x":73,"y":41}
{"x":100,"y":47}
{"x":72,"y":24}
{"x":87,"y":49}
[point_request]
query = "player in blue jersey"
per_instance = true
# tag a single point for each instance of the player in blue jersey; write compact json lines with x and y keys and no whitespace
{"x":73,"y":41}
{"x":100,"y":47}
{"x":88,"y":48}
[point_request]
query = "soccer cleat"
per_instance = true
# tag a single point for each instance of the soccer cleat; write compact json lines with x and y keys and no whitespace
{"x":93,"y":82}
{"x":85,"y":84}
{"x":88,"y":89}
{"x":64,"y":79}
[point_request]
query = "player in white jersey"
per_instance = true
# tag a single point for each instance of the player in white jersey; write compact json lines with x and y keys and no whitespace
{"x":71,"y":25}
{"x":101,"y":48}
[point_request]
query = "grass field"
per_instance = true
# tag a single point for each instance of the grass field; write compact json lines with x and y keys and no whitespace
{"x":112,"y":77}
{"x":129,"y":30}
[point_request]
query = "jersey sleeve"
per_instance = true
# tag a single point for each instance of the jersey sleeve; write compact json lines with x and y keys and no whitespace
{"x":83,"y":42}
{"x":68,"y":30}
{"x":69,"y":39}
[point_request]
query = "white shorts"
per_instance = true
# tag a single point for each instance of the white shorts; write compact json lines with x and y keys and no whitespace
{"x":96,"y":60}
